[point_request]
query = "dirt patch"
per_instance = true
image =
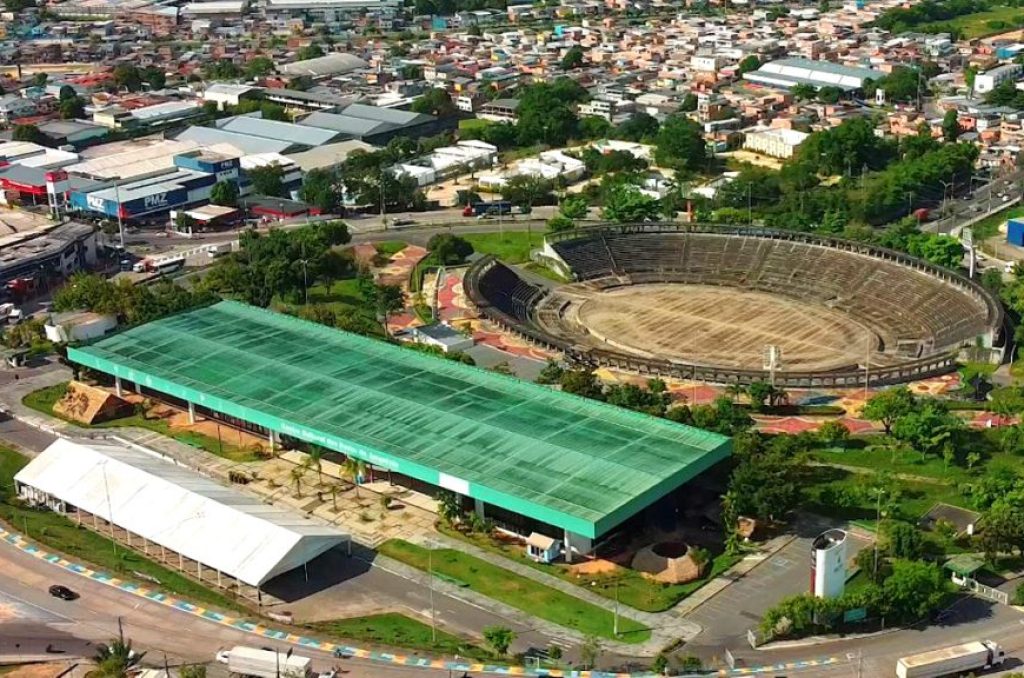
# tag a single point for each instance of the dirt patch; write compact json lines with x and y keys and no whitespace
{"x":594,"y":567}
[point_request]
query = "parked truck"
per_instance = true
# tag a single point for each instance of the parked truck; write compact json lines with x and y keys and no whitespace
{"x":251,"y":661}
{"x":951,"y":661}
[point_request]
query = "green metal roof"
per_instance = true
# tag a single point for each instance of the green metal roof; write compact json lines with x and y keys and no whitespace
{"x":575,"y":463}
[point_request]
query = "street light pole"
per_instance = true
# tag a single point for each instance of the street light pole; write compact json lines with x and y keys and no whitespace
{"x":120,"y":219}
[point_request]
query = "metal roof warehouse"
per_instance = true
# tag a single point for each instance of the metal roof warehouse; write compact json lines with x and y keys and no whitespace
{"x":577,"y":464}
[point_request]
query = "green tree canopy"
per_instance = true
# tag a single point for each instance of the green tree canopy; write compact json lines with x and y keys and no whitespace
{"x":680,"y":144}
{"x":573,"y":58}
{"x":224,"y":193}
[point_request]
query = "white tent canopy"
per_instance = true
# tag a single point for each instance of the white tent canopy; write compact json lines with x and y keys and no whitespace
{"x":178,"y":509}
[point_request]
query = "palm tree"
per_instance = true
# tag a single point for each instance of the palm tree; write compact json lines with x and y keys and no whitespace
{"x":297,"y":473}
{"x":313,"y":460}
{"x":115,"y":659}
{"x":734,"y":391}
{"x":353,"y":469}
{"x":333,"y":489}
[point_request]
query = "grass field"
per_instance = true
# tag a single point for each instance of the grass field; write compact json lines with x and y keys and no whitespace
{"x":397,"y":630}
{"x":634,"y":589}
{"x":977,"y":25}
{"x":989,"y":227}
{"x":474,"y":123}
{"x":387,"y":248}
{"x":57,"y":532}
{"x":517,"y":591}
{"x":43,"y":400}
{"x":511,"y":246}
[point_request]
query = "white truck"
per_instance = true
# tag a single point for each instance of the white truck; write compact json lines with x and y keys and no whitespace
{"x":251,"y":661}
{"x":951,"y":661}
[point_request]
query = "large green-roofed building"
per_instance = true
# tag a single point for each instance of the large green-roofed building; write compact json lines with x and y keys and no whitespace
{"x":580,"y":465}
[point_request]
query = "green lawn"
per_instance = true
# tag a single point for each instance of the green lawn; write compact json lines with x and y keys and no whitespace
{"x":387,"y":248}
{"x":977,"y":25}
{"x":634,"y":589}
{"x":474,"y":123}
{"x":44,"y":399}
{"x":397,"y":630}
{"x":989,"y":226}
{"x":842,"y":494}
{"x":517,"y":591}
{"x":78,"y":543}
{"x":511,"y":246}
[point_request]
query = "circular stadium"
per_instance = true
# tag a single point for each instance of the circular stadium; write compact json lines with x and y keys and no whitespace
{"x":705,"y":302}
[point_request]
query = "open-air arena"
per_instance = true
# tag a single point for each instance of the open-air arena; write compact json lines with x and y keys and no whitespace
{"x":705,"y":302}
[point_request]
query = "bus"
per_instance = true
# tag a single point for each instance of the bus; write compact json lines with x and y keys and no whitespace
{"x":490,"y":207}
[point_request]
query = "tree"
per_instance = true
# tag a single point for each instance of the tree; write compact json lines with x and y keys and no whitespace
{"x":115,"y":659}
{"x":582,"y":382}
{"x":573,"y":58}
{"x":590,"y":651}
{"x":449,"y":249}
{"x":259,"y":67}
{"x":67,"y":92}
{"x":449,"y":508}
{"x":127,"y":76}
{"x":437,"y":102}
{"x":321,"y":188}
{"x":547,"y":112}
{"x":28,"y":133}
{"x":154,"y":76}
{"x":594,"y":127}
{"x":902,"y":84}
{"x":747,"y":64}
{"x":914,"y":589}
{"x":222,"y":69}
{"x":551,"y":373}
{"x":272,"y":111}
{"x":941,"y":250}
{"x":689,"y":103}
{"x":889,"y":405}
{"x":950,"y":126}
{"x":71,"y":108}
{"x":760,"y":392}
{"x":834,"y":433}
{"x":1002,"y":529}
{"x":267,"y":180}
{"x":802,"y":92}
{"x":526,"y":190}
{"x":680,"y":144}
{"x":224,"y":193}
{"x":625,"y":203}
{"x":388,"y":299}
{"x":927,"y":428}
{"x":902,"y":540}
{"x":499,"y":638}
{"x":639,"y":126}
{"x":764,"y":486}
{"x":559,"y":223}
{"x":193,"y":670}
{"x":574,"y":207}
{"x":829,"y":94}
{"x":40,"y":79}
{"x":311,"y":51}
{"x":660,"y":665}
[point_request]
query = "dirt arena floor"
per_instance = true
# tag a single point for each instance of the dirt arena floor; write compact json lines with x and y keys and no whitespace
{"x":719,"y":326}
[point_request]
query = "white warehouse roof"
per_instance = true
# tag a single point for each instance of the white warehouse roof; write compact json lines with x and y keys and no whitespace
{"x":179,"y":509}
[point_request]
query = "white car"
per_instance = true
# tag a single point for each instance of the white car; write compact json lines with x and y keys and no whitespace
{"x":224,"y":656}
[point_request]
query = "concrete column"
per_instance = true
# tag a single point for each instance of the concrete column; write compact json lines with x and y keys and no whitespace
{"x":181,"y":563}
{"x":219,"y":585}
{"x":145,"y":546}
{"x":191,"y":413}
{"x":273,"y":441}
{"x":199,"y":569}
{"x":567,"y":542}
{"x":117,"y":387}
{"x":478,"y":507}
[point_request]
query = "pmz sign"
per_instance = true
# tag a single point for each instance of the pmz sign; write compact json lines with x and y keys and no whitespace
{"x":155,"y":200}
{"x":96,"y":202}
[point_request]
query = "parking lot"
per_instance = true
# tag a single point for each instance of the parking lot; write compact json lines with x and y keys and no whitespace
{"x":728,"y":616}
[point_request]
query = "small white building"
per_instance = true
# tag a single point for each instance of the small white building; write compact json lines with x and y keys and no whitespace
{"x":225,"y":94}
{"x":777,"y":143}
{"x":542,"y":548}
{"x":64,"y":328}
{"x":442,"y":336}
{"x":989,"y":80}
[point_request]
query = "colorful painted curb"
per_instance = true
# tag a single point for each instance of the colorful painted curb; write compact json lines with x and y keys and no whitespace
{"x":153,"y":595}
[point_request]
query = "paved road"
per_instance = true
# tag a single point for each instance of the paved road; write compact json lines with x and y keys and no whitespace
{"x":983,"y":200}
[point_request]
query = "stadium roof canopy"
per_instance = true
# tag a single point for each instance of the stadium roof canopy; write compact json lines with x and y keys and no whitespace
{"x":567,"y":461}
{"x":175,"y":507}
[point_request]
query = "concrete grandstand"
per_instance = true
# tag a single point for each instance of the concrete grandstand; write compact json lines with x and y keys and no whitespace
{"x":702,"y":302}
{"x":531,"y":458}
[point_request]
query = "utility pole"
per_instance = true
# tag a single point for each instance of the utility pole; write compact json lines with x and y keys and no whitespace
{"x":750,"y":206}
{"x":383,"y":214}
{"x":120,"y":219}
